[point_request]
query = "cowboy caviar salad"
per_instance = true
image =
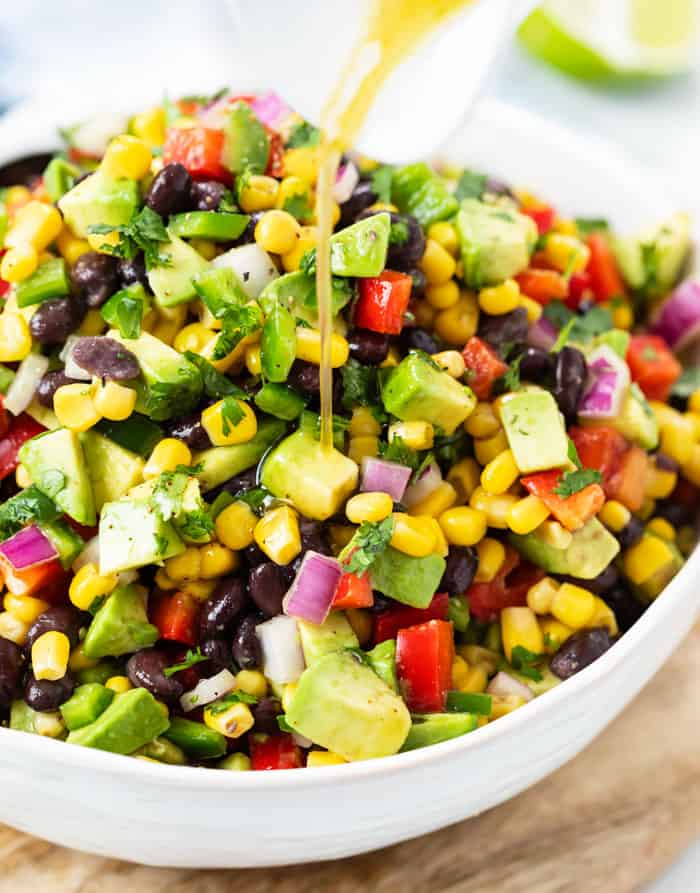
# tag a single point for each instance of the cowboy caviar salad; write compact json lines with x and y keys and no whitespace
{"x":189,"y":576}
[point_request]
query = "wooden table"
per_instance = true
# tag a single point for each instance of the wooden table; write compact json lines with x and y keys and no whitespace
{"x":610,"y":821}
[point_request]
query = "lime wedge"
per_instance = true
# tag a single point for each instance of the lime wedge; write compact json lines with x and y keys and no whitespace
{"x":613,"y":40}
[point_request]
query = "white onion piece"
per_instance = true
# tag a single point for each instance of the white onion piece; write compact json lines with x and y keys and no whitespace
{"x":91,"y":137}
{"x":68,"y":346}
{"x":346,"y":180}
{"x":30,"y":372}
{"x":208,"y":690}
{"x":503,"y":684}
{"x":430,"y":480}
{"x":253,"y":267}
{"x":283,"y":659}
{"x":89,"y":555}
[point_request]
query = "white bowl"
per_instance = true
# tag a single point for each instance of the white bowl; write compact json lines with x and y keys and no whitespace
{"x":165,"y":815}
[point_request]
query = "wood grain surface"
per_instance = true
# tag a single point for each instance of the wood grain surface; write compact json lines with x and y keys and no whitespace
{"x":608,"y":822}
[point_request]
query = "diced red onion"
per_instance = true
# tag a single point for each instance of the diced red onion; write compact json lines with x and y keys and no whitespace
{"x":503,"y":684}
{"x":430,"y":480}
{"x":311,"y":594}
{"x":270,"y":109}
{"x":90,"y":554}
{"x":542,"y":334}
{"x":382,"y":476}
{"x":30,"y":372}
{"x":283,"y":659}
{"x":346,"y":180}
{"x":678,"y":318}
{"x":252,"y":265}
{"x":608,"y":380}
{"x":208,"y":690}
{"x":28,"y":548}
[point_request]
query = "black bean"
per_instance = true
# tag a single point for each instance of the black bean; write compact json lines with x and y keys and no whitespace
{"x":419,"y":283}
{"x":95,"y":276}
{"x":605,"y":580}
{"x":49,"y":384}
{"x":535,"y":364}
{"x":381,"y":603}
{"x":312,"y":536}
{"x":460,"y":568}
{"x":54,"y":320}
{"x":11,"y":660}
{"x":265,"y":713}
{"x":266,"y":588}
{"x":408,"y":243}
{"x":219,"y":653}
{"x":666,"y":463}
{"x":105,"y":358}
{"x":8,"y":488}
{"x":43,"y":694}
{"x":248,"y":234}
{"x":626,"y":607}
{"x":508,"y":327}
{"x":675,"y":513}
{"x":631,"y":533}
{"x":206,"y":195}
{"x":579,"y":651}
{"x":254,"y":555}
{"x":60,"y":618}
{"x":220,"y":610}
{"x":305,"y":377}
{"x":169,"y":193}
{"x":239,"y":483}
{"x":415,"y":338}
{"x":569,"y":380}
{"x":289,"y":571}
{"x":247,"y":652}
{"x":370,"y":348}
{"x":362,"y":197}
{"x":133,"y":271}
{"x":189,"y":430}
{"x":145,"y":670}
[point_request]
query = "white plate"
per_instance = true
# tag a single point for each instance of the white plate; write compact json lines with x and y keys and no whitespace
{"x":165,"y":815}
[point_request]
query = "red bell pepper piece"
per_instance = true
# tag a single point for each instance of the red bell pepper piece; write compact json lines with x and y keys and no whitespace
{"x":33,"y":579}
{"x":22,"y":429}
{"x":573,"y":511}
{"x":601,"y":448}
{"x":383,"y":302}
{"x":606,"y":281}
{"x":580,"y":288}
{"x":354,"y":591}
{"x":424,"y":656}
{"x":652,"y":365}
{"x":4,"y":286}
{"x":484,"y":366}
{"x":543,"y":286}
{"x":388,"y":623}
{"x":507,"y":589}
{"x":627,"y":483}
{"x":5,"y":418}
{"x":543,"y":215}
{"x":199,"y":150}
{"x":275,"y":164}
{"x":176,"y":615}
{"x":274,"y":752}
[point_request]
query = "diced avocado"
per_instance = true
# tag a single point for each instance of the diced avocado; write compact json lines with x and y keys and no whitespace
{"x":382,"y":659}
{"x":100,"y":673}
{"x":297,"y":292}
{"x":162,"y":750}
{"x":360,"y":249}
{"x":636,"y":420}
{"x":65,"y":540}
{"x":316,"y":480}
{"x":132,"y":535}
{"x":217,"y":226}
{"x":616,"y":339}
{"x":535,"y":431}
{"x":590,"y":551}
{"x":334,"y":634}
{"x":219,"y":288}
{"x":59,"y":177}
{"x":99,"y":199}
{"x":117,"y":310}
{"x":417,"y":389}
{"x":85,"y":704}
{"x":653,"y":261}
{"x":432,"y":728}
{"x":246,"y":143}
{"x":25,"y":719}
{"x":120,"y":626}
{"x":137,"y":434}
{"x":418,"y":190}
{"x":6,"y":378}
{"x":406,"y":579}
{"x":132,"y":719}
{"x":113,"y":470}
{"x":56,"y":464}
{"x":191,"y":521}
{"x":169,"y":384}
{"x":196,"y":739}
{"x":496,"y":242}
{"x":221,"y":463}
{"x":344,"y":706}
{"x":171,"y":283}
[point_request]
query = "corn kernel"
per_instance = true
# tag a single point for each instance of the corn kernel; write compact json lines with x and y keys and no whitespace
{"x":685,"y":539}
{"x":527,"y":514}
{"x":487,"y":448}
{"x":70,"y":247}
{"x":413,"y":536}
{"x":445,"y":234}
{"x":532,"y":308}
{"x":442,"y":547}
{"x":277,"y":232}
{"x":603,"y":615}
{"x":200,"y":590}
{"x":149,"y":126}
{"x":362,"y":624}
{"x":369,"y":507}
{"x":492,"y":555}
{"x":235,"y":525}
{"x":36,"y":224}
{"x":456,"y":325}
{"x":661,"y":527}
{"x":193,"y":337}
{"x":659,"y":483}
{"x":258,"y":194}
{"x":476,"y":680}
{"x":289,"y":188}
{"x":49,"y":725}
{"x":316,"y":759}
{"x":216,"y":560}
{"x":541,"y":595}
{"x":477,"y":656}
{"x":16,"y":196}
{"x":252,"y":682}
{"x":519,"y":627}
{"x":464,"y":477}
{"x":365,"y":447}
{"x":19,"y":263}
{"x":496,"y":508}
{"x":163,"y":581}
{"x":646,"y":510}
{"x":641,"y":561}
{"x":442,"y":296}
{"x":88,"y":585}
{"x":553,"y":534}
{"x":566,"y":253}
{"x":566,"y":226}
{"x":502,"y":705}
{"x":50,"y":653}
{"x":185,"y":566}
{"x":393,"y":358}
{"x":126,"y":156}
{"x":74,"y":406}
{"x":383,"y":206}
{"x":437,"y":264}
{"x":694,"y":401}
{"x":13,"y":629}
{"x":166,"y":456}
{"x":622,"y":313}
{"x":483,"y":421}
{"x":434,"y":504}
{"x":691,"y":469}
{"x":554,"y":634}
{"x":500,"y":474}
{"x":451,"y":361}
{"x":463,"y":526}
{"x":22,"y":477}
{"x":232,"y":721}
{"x":677,"y":439}
{"x":309,"y":347}
{"x":119,"y":684}
{"x":226,"y":431}
{"x":363,"y":422}
{"x":115,"y":401}
{"x":24,"y":607}
{"x":302,"y":162}
{"x":694,"y":419}
{"x":253,"y":360}
{"x":415,"y":434}
{"x":460,"y":671}
{"x":308,"y":237}
{"x":573,"y":605}
{"x":277,"y":534}
{"x":500,"y":299}
{"x":92,"y":324}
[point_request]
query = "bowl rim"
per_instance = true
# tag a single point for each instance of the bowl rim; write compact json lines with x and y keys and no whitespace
{"x":24,"y":118}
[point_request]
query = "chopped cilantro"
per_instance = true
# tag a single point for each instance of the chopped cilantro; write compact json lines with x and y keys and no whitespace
{"x":231,"y":415}
{"x":283,"y":724}
{"x":28,"y":505}
{"x":573,"y":455}
{"x":470,"y":185}
{"x":168,"y":492}
{"x":310,"y":423}
{"x":588,"y":225}
{"x":193,"y":656}
{"x":161,"y":544}
{"x":125,"y":309}
{"x":196,"y":525}
{"x":525,"y":662}
{"x":397,"y":451}
{"x":687,"y":383}
{"x":298,"y":206}
{"x":563,"y":336}
{"x":144,"y":232}
{"x":307,"y":264}
{"x":228,"y":203}
{"x":215,"y":383}
{"x":256,"y":498}
{"x":584,"y":328}
{"x":572,"y":482}
{"x":381,"y":183}
{"x":510,"y":380}
{"x":302,"y":135}
{"x":558,"y":314}
{"x":360,"y":385}
{"x":369,"y":541}
{"x":237,"y":323}
{"x":398,"y":233}
{"x":233,"y":697}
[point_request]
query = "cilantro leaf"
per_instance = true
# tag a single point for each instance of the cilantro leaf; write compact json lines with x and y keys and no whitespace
{"x":572,"y":482}
{"x":687,"y":383}
{"x":369,"y":541}
{"x":298,"y":205}
{"x":525,"y":662}
{"x":397,"y":451}
{"x":558,"y":314}
{"x":470,"y":185}
{"x":256,"y":498}
{"x":283,"y":724}
{"x":381,"y":183}
{"x":302,"y":135}
{"x":310,"y":423}
{"x":237,"y":324}
{"x":167,"y":493}
{"x":231,"y":414}
{"x":233,"y":697}
{"x":573,"y":455}
{"x":215,"y":383}
{"x":510,"y":380}
{"x":125,"y":310}
{"x":196,"y":525}
{"x":144,"y":232}
{"x":398,"y":233}
{"x":360,"y":384}
{"x":583,"y":328}
{"x":193,"y":656}
{"x":28,"y":505}
{"x":563,"y":336}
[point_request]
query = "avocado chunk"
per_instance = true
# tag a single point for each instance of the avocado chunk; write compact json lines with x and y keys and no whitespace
{"x":131,"y":720}
{"x":64,"y":539}
{"x":432,"y":728}
{"x":344,"y":706}
{"x":246,"y":143}
{"x":382,"y":659}
{"x":113,"y":470}
{"x":652,"y":262}
{"x":334,"y":634}
{"x":406,"y":579}
{"x":100,"y":673}
{"x":297,"y":292}
{"x":57,"y":466}
{"x":137,"y":434}
{"x":535,"y":431}
{"x":418,"y":190}
{"x":591,"y":550}
{"x":85,"y":704}
{"x":316,"y":480}
{"x":218,"y":464}
{"x":99,"y":199}
{"x":120,"y":626}
{"x":417,"y":389}
{"x":192,"y":521}
{"x":25,"y":719}
{"x":132,"y":534}
{"x":360,"y":249}
{"x":195,"y":739}
{"x":636,"y":420}
{"x":162,"y":750}
{"x":171,"y":283}
{"x":496,"y":242}
{"x":169,"y":385}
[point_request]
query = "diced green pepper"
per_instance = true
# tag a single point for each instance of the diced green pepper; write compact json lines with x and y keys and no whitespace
{"x":280,"y":401}
{"x":219,"y":226}
{"x":278,"y":344}
{"x":50,"y":280}
{"x":468,"y":702}
{"x":196,"y":739}
{"x":416,"y":189}
{"x":59,"y":177}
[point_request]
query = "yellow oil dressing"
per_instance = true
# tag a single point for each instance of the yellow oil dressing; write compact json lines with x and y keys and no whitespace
{"x":393,"y":29}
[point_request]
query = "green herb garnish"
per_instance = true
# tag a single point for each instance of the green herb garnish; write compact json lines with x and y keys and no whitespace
{"x":144,"y":232}
{"x":193,"y":656}
{"x":525,"y":662}
{"x":369,"y":541}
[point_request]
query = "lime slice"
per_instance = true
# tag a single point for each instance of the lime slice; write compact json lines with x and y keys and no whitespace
{"x":606,"y":40}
